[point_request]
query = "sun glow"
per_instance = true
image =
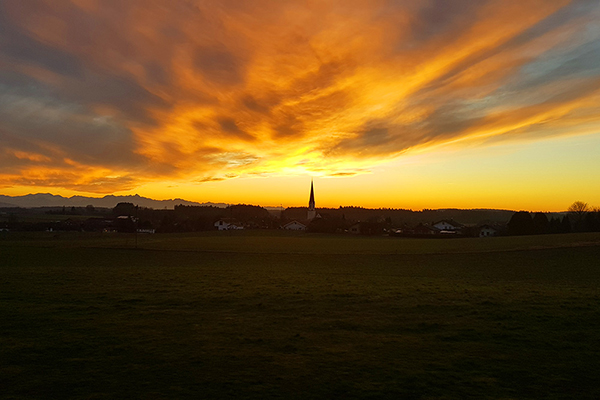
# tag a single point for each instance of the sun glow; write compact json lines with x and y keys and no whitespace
{"x":209,"y":99}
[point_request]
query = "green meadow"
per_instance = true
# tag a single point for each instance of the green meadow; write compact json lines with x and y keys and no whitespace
{"x":268,"y":314}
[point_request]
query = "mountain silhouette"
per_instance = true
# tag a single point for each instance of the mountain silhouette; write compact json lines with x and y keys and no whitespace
{"x":109,"y":201}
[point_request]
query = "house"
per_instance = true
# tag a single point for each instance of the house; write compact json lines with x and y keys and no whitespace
{"x":355,"y":229}
{"x":294,"y":226}
{"x":486,"y":231}
{"x":424,"y":229}
{"x":228,"y":224}
{"x":447,"y":225}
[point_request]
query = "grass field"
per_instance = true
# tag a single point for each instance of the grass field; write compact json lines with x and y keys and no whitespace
{"x":275,"y":315}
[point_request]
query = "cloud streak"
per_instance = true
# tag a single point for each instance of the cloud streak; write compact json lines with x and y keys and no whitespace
{"x":202,"y":91}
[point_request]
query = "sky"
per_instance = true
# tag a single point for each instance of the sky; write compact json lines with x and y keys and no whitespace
{"x":405,"y":104}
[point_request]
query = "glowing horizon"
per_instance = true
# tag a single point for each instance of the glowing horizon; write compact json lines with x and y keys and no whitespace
{"x":404,"y":104}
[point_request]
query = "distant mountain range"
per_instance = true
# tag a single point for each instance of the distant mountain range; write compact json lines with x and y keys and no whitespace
{"x":51,"y":200}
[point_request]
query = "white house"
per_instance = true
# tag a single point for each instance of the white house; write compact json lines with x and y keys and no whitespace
{"x":294,"y":226}
{"x":447,"y":225}
{"x":228,"y":224}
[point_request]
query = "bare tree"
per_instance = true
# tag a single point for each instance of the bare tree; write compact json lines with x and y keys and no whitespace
{"x":579,"y":208}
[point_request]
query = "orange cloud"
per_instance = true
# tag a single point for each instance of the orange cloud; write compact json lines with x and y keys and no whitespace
{"x":205,"y":91}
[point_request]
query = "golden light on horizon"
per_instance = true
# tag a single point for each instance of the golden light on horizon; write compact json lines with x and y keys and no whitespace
{"x":201,"y":99}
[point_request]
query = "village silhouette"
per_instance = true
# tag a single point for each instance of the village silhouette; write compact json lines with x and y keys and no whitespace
{"x":128,"y":217}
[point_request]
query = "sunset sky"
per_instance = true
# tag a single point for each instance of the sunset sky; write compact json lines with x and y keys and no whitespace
{"x":407,"y":104}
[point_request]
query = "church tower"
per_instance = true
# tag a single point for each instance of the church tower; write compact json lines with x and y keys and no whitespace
{"x":312,"y":213}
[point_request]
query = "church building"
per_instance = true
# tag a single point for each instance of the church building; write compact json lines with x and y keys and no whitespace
{"x":312,"y":213}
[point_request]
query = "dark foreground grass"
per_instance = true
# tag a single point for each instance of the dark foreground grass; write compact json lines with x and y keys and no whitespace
{"x":124,"y":323}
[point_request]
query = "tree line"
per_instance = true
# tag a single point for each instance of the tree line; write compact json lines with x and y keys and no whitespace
{"x":580,"y":217}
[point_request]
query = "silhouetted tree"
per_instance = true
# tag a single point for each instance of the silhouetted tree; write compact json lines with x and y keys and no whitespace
{"x":540,"y":223}
{"x":124,"y":209}
{"x":521,"y":223}
{"x":578,"y":210}
{"x":586,"y":223}
{"x":554,"y":225}
{"x":596,"y":220}
{"x":251,"y":216}
{"x":168,"y":224}
{"x":565,"y":225}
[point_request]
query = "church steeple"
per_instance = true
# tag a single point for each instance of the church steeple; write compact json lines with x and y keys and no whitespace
{"x":311,"y":202}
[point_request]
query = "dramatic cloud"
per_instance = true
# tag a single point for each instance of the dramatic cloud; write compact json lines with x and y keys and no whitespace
{"x":105,"y":95}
